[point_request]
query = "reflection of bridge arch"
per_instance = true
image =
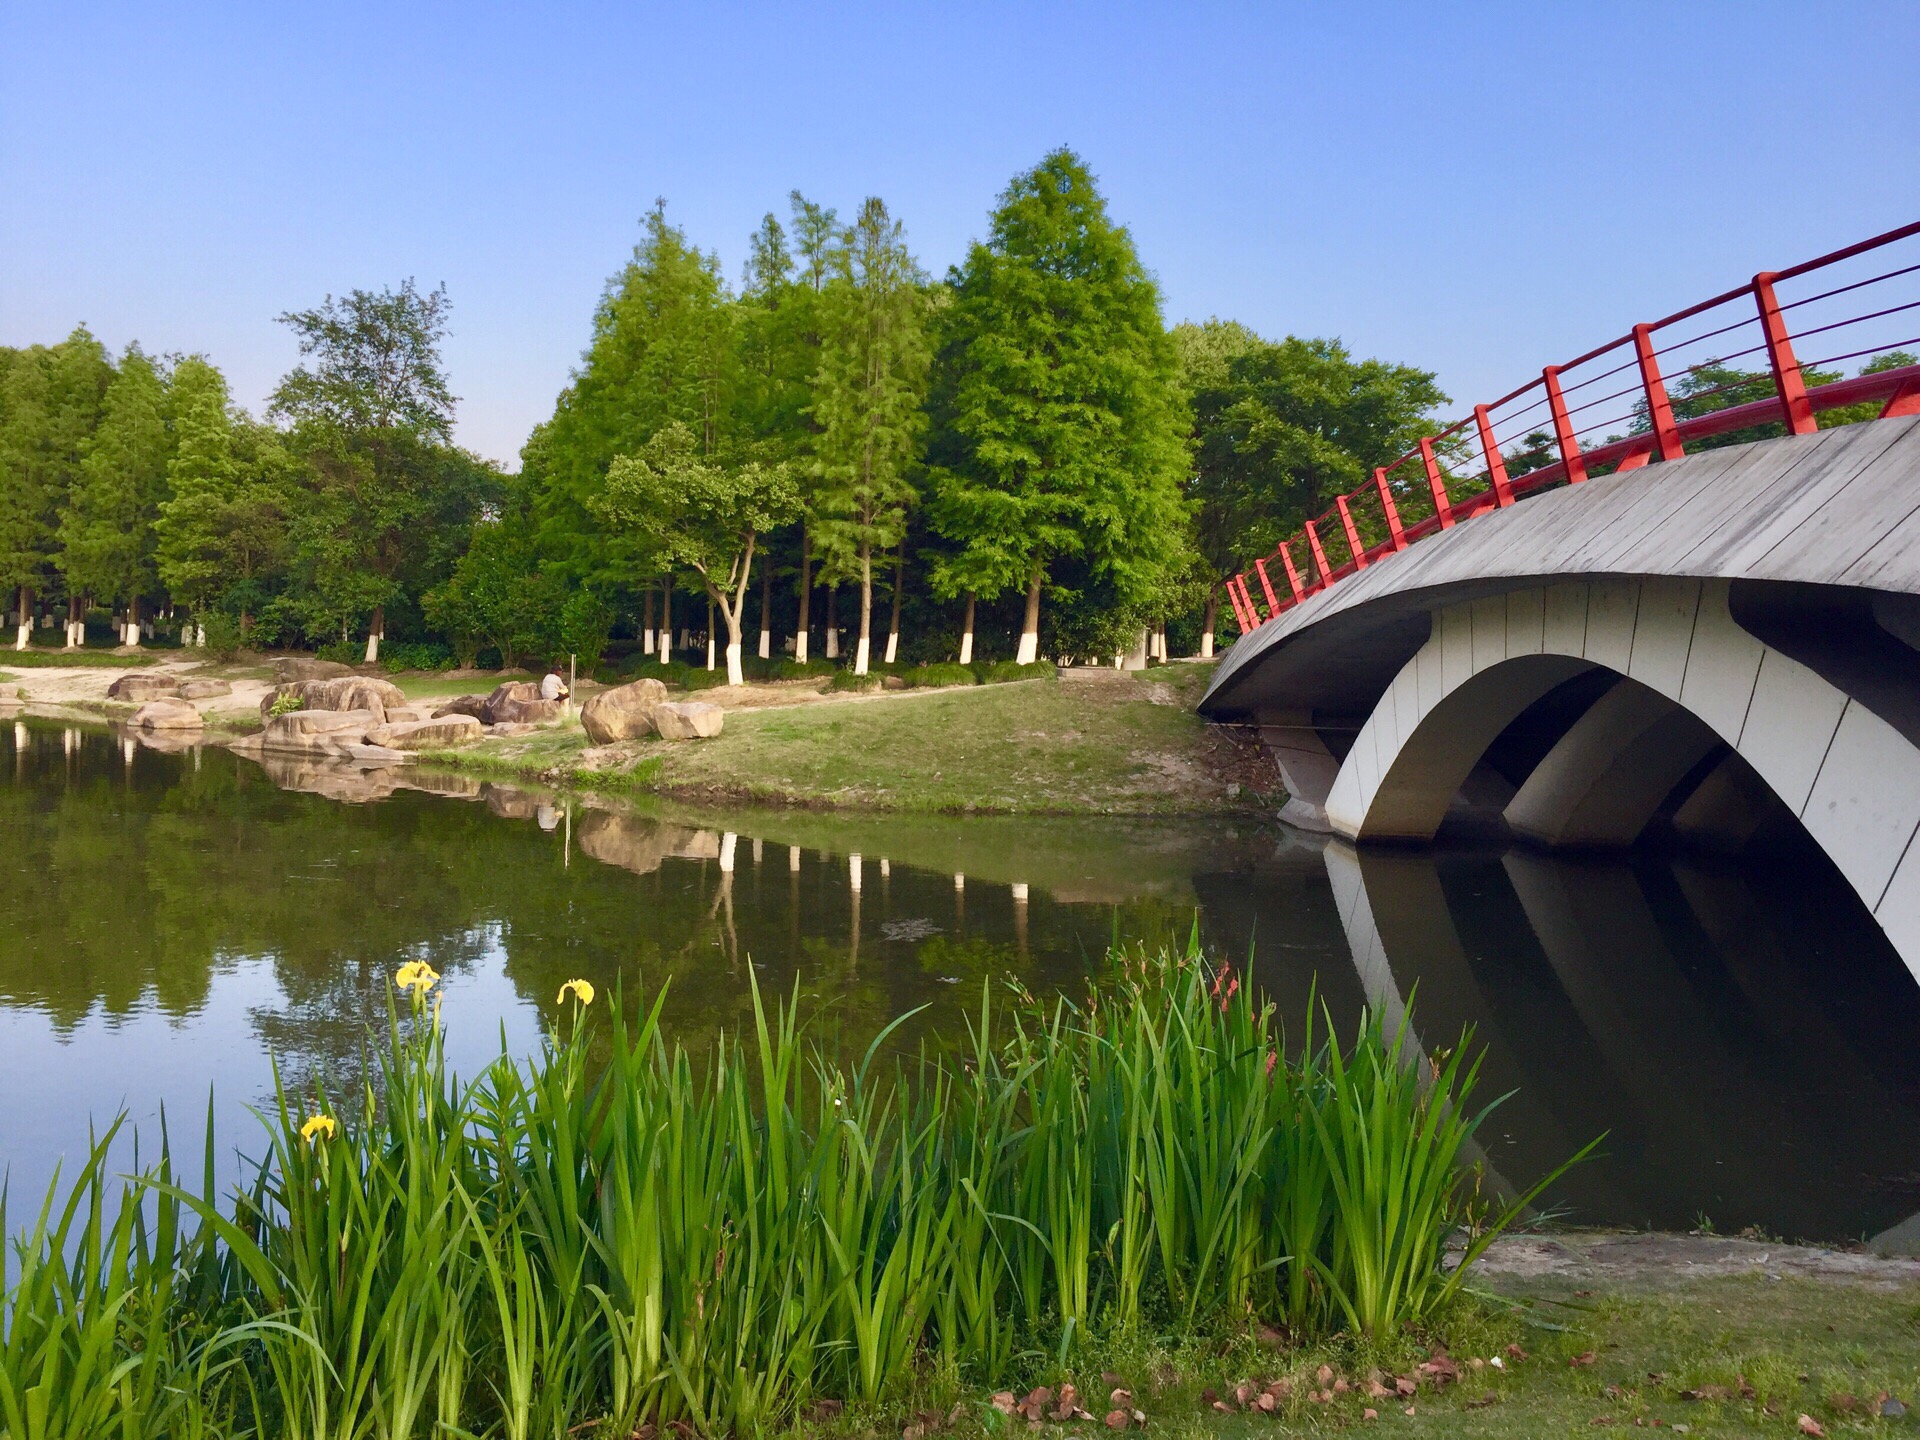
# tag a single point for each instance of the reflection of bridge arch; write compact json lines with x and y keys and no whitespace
{"x":1694,"y":677}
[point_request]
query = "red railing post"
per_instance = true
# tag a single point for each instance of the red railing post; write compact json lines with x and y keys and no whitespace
{"x":1319,"y":555}
{"x":1273,"y":600}
{"x":1575,"y":467}
{"x":1233,"y":599}
{"x":1787,"y":380}
{"x":1442,"y":507}
{"x":1254,"y":621}
{"x":1496,"y":462}
{"x":1666,"y":434}
{"x":1392,"y":511}
{"x":1352,"y":532}
{"x":1293,"y":575}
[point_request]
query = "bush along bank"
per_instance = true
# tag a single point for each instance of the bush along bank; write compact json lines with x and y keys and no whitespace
{"x":618,"y":1233}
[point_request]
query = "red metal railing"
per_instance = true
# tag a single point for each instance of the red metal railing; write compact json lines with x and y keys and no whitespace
{"x":1563,"y":427}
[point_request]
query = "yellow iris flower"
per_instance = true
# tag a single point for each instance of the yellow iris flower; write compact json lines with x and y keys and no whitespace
{"x":321,"y":1125}
{"x":416,"y":975}
{"x":581,"y":988}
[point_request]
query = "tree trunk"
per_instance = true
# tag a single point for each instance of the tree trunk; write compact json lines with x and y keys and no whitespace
{"x":1030,"y":629}
{"x":132,"y":637}
{"x":1138,"y":659}
{"x":805,"y":623}
{"x":646,"y":624}
{"x":1206,"y":625}
{"x":766,"y":609}
{"x":26,"y":619}
{"x":74,"y":622}
{"x":966,"y":633}
{"x":376,"y":632}
{"x":893,"y":625}
{"x":864,"y":647}
{"x":833,"y":622}
{"x":666,"y":620}
{"x":710,"y":635}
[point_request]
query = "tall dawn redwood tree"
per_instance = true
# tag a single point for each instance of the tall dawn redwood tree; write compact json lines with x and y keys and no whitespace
{"x":106,"y":526}
{"x":1064,"y":427}
{"x":869,"y":404}
{"x":684,"y":507}
{"x":202,"y":480}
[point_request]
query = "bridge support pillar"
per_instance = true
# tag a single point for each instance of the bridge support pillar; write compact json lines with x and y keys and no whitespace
{"x":1307,"y":767}
{"x":1607,"y":776}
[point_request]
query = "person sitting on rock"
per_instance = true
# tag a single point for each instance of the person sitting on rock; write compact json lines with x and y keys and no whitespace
{"x":553,"y":687}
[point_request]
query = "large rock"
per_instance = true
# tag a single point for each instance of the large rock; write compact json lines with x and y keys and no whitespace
{"x":474,"y":705}
{"x":289,"y":668}
{"x":426,"y":734}
{"x":688,"y":720}
{"x":343,"y":692}
{"x":518,"y":702}
{"x":167,"y":714}
{"x":624,"y":712}
{"x":297,"y":725}
{"x":11,"y":694}
{"x":204,"y":689}
{"x":141,"y":686}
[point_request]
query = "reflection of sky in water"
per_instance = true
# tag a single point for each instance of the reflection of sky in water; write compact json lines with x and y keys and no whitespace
{"x":1745,"y":1037}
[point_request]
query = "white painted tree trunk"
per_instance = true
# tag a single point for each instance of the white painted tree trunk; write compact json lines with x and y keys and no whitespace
{"x":1030,"y":628}
{"x":20,"y":635}
{"x":893,"y":646}
{"x":833,"y":643}
{"x":800,"y":647}
{"x":860,"y":656}
{"x":1138,"y":659}
{"x":766,"y":643}
{"x":966,"y":633}
{"x":646,"y":642}
{"x":863,"y":647}
{"x":736,"y":672}
{"x":666,"y":643}
{"x":373,"y":648}
{"x":1206,"y":645}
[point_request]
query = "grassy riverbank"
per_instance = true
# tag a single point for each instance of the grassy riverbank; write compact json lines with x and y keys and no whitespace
{"x":1088,"y":743}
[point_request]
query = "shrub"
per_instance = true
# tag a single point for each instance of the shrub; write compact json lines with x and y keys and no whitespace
{"x":847,"y":682}
{"x":1002,"y":671}
{"x":223,"y":635}
{"x":414,"y":655}
{"x":943,"y":673}
{"x":794,"y":670}
{"x":342,"y":652}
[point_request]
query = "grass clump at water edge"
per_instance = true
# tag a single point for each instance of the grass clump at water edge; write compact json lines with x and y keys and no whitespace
{"x":615,"y":1231}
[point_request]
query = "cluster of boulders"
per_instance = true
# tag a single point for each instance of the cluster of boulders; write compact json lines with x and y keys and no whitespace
{"x":165,"y":701}
{"x":516,"y":703}
{"x":630,"y":712}
{"x":352,"y":717}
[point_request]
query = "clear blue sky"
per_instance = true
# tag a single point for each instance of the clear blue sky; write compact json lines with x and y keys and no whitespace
{"x":1477,"y":189}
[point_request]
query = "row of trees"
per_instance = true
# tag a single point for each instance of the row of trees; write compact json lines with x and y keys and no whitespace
{"x":1022,"y":448}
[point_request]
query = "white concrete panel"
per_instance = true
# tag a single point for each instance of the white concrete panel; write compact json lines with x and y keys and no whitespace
{"x":1723,"y":662}
{"x":1611,"y":605}
{"x":1385,"y":720}
{"x":1405,"y":695}
{"x":1662,"y":634}
{"x":1865,"y":803}
{"x":1364,"y":758}
{"x":1565,"y":625}
{"x":1430,"y":668}
{"x":1346,"y":806}
{"x":1899,"y":909}
{"x":1455,"y":632}
{"x":1789,"y":726}
{"x":1526,"y":621}
{"x":1489,"y":623}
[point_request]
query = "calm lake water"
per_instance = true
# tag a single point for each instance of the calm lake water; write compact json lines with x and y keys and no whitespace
{"x":173,"y":923}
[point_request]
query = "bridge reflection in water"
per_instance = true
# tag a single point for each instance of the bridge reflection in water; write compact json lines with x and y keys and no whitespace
{"x":1740,"y":1031}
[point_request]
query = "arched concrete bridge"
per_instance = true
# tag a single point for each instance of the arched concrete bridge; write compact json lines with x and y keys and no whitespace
{"x":1724,"y":643}
{"x":1627,"y":665}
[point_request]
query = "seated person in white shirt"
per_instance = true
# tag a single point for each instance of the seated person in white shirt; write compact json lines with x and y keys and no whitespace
{"x":552,"y":687}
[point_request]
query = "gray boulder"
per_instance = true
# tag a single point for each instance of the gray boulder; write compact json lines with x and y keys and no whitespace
{"x":518,"y":702}
{"x":167,"y":714}
{"x":438,"y":734}
{"x":474,"y":705}
{"x":140,"y":686}
{"x":624,"y":712}
{"x":343,"y":692}
{"x":688,"y":720}
{"x":204,"y":689}
{"x":289,"y":668}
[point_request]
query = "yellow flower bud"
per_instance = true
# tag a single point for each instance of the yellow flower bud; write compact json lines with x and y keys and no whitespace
{"x":582,"y":988}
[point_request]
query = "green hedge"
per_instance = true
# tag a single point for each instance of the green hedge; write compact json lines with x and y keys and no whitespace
{"x":945,"y":673}
{"x":1001,"y":671}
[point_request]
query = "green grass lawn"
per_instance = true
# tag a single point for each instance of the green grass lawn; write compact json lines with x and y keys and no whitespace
{"x":1045,"y":747}
{"x":1763,"y":1352}
{"x":70,"y":659}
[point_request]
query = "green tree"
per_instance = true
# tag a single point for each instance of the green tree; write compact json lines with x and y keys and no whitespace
{"x":50,"y":398}
{"x":371,"y":416}
{"x":1279,"y":429}
{"x":106,"y":525}
{"x":684,"y":507}
{"x":202,"y":478}
{"x":869,"y":399}
{"x":1064,"y":428}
